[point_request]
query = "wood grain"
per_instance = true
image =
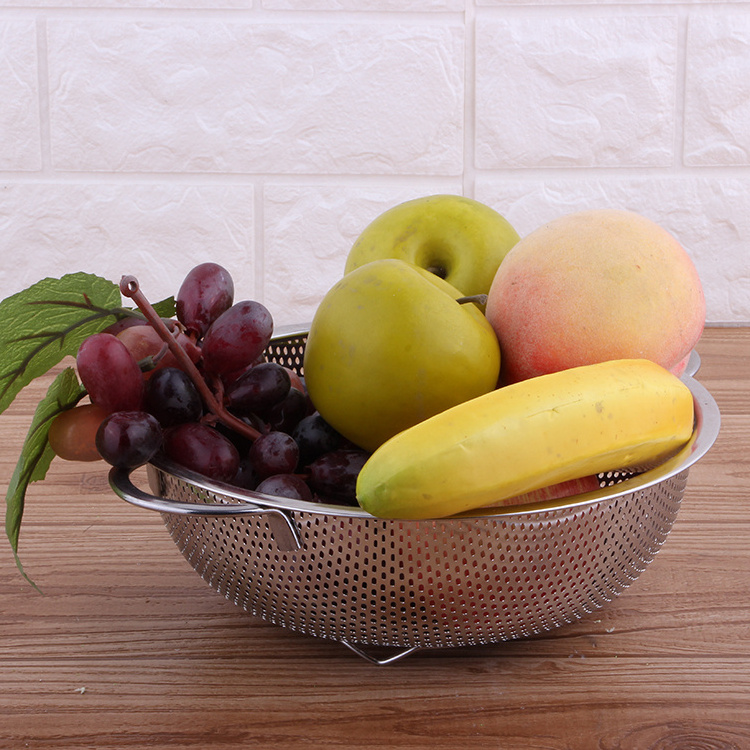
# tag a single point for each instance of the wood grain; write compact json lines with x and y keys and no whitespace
{"x":128,"y":648}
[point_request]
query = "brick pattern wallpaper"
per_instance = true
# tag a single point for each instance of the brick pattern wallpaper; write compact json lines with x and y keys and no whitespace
{"x":144,"y":137}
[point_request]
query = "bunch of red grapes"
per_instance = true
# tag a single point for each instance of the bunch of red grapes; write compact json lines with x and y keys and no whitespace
{"x":199,"y":391}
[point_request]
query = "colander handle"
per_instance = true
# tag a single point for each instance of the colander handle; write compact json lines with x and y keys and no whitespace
{"x":284,"y":530}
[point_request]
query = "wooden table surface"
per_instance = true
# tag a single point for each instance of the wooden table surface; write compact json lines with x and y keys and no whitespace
{"x":129,"y":648}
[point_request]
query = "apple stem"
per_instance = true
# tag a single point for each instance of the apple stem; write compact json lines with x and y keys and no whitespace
{"x":438,"y":271}
{"x":479,"y":299}
{"x":130,"y":288}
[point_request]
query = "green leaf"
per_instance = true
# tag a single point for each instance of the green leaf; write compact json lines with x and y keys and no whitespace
{"x":47,"y":322}
{"x":36,"y":454}
{"x":40,"y":327}
{"x":166,"y":308}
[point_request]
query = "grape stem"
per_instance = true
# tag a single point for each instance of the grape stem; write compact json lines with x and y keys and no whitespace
{"x":130,"y":288}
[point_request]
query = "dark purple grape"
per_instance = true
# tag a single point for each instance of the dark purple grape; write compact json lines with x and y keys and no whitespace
{"x":334,"y":475}
{"x":206,"y":292}
{"x":246,"y":476}
{"x":242,"y":442}
{"x":258,"y":388}
{"x":286,"y":415}
{"x":286,"y":485}
{"x":274,"y":453}
{"x":128,"y":439}
{"x":202,"y":449}
{"x":237,"y":338}
{"x":110,"y":373}
{"x":171,"y":396}
{"x":315,"y":436}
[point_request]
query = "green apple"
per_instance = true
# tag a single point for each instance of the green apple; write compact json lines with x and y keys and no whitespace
{"x":390,"y":346}
{"x":458,"y":239}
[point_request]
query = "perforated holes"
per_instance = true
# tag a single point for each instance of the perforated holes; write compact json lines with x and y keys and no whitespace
{"x":428,"y":583}
{"x":289,"y":352}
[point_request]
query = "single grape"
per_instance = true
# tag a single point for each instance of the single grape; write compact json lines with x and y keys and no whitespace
{"x":246,"y":476}
{"x":144,"y":342}
{"x":202,"y":449}
{"x":120,"y":325}
{"x":237,"y":338}
{"x":206,"y":292}
{"x":132,"y":321}
{"x":274,"y":453}
{"x":141,"y":341}
{"x":286,"y":415}
{"x":128,"y":439}
{"x":334,"y":475}
{"x":72,"y":434}
{"x":258,"y":388}
{"x":171,"y":396}
{"x":110,"y":374}
{"x":298,"y":381}
{"x":286,"y":485}
{"x":242,"y":442}
{"x":315,"y":436}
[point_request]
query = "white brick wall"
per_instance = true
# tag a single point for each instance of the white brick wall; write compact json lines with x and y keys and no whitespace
{"x":144,"y":137}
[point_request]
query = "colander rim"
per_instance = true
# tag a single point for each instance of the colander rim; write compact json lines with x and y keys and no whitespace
{"x":705,"y":431}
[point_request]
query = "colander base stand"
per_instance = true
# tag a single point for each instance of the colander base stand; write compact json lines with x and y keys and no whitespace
{"x":394,"y":653}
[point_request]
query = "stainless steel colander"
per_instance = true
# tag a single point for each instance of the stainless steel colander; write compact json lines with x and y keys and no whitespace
{"x":479,"y":578}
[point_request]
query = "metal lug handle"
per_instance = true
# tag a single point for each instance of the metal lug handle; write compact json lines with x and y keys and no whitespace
{"x":284,"y":530}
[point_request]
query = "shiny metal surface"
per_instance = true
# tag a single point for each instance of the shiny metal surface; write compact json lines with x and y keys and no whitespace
{"x":480,"y":578}
{"x":429,"y":583}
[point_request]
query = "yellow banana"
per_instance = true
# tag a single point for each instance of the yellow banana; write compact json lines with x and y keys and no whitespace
{"x":521,"y":437}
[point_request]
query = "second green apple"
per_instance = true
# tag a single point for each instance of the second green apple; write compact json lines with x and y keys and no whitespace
{"x":457,"y":238}
{"x":390,"y":346}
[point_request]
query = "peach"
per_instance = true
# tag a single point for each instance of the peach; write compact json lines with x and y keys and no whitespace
{"x":592,"y":286}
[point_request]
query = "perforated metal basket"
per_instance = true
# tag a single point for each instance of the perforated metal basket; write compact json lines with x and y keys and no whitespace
{"x":484,"y":577}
